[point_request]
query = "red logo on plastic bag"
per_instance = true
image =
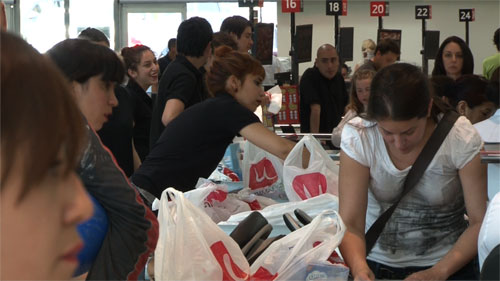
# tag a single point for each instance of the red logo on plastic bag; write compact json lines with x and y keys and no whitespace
{"x":216,"y":195}
{"x":309,"y":185}
{"x":230,"y":271}
{"x":263,"y":274}
{"x":262,"y":174}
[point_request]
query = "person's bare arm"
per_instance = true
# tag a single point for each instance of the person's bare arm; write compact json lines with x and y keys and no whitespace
{"x":315,"y":118}
{"x":474,"y":182}
{"x":354,"y":179}
{"x":262,"y":137}
{"x":173,"y":108}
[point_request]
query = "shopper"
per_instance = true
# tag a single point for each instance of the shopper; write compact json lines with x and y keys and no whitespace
{"x":453,"y":58}
{"x":492,"y":63}
{"x":42,"y":199}
{"x":116,"y":134}
{"x":193,"y":144}
{"x":427,"y":237}
{"x":470,"y":100}
{"x":142,"y":70}
{"x":367,"y":52}
{"x":93,"y":70}
{"x":358,"y":101}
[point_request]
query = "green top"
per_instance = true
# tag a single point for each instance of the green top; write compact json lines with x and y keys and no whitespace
{"x":490,"y":64}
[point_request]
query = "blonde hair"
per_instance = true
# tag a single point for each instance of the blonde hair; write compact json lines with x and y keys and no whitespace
{"x":368,"y":44}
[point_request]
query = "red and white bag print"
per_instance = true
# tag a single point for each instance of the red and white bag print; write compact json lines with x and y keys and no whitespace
{"x":312,"y":246}
{"x":320,"y":176}
{"x":192,"y":247}
{"x":263,"y":172}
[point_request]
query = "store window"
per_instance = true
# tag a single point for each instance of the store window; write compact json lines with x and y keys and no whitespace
{"x":92,"y":13}
{"x":153,"y":29}
{"x":42,"y":22}
{"x":215,"y":13}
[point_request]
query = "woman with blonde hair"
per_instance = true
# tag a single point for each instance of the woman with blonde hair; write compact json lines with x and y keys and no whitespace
{"x":367,"y":50}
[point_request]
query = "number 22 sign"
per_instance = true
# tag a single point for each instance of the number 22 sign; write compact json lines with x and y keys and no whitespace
{"x":290,"y":6}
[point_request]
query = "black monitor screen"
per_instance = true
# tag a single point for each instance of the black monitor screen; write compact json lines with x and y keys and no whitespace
{"x":263,"y":47}
{"x":303,"y":39}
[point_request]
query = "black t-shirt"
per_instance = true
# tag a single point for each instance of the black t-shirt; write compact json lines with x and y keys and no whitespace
{"x":143,"y":108}
{"x":193,"y":144}
{"x":330,"y":94}
{"x":116,"y":134}
{"x":182,"y":81}
{"x":163,"y":62}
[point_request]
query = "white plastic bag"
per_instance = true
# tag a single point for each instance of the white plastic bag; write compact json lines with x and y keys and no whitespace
{"x":263,"y":173}
{"x":192,"y":247}
{"x":293,"y":254}
{"x":215,"y":201}
{"x":320,"y":176}
{"x":275,"y":99}
{"x":274,"y":213}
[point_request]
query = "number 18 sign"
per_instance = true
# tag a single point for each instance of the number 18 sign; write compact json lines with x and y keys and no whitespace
{"x":290,"y":6}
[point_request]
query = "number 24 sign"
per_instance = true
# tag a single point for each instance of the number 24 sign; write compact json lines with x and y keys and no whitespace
{"x":290,"y":6}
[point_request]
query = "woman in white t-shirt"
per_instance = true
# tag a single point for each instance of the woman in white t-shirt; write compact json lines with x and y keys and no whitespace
{"x":427,"y":237}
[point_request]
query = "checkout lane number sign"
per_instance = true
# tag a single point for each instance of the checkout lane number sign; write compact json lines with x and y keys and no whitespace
{"x":336,"y":7}
{"x":423,"y":12}
{"x":466,"y":15}
{"x":379,"y":8}
{"x":291,"y":6}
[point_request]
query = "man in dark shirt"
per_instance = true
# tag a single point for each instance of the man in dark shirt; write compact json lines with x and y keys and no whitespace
{"x":169,"y":57}
{"x":240,"y":29}
{"x":386,"y":53}
{"x":323,"y":95}
{"x":181,"y":86}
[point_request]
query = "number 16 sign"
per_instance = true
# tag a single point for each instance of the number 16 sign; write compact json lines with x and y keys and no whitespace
{"x":290,"y":6}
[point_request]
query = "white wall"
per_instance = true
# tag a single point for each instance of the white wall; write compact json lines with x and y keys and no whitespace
{"x":401,"y":16}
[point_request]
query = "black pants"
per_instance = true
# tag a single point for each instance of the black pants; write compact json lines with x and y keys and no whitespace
{"x":382,"y":271}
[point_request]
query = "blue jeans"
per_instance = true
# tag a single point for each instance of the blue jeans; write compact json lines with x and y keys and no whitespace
{"x":469,"y":272}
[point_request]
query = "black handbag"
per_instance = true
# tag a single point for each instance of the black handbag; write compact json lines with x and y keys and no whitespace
{"x":414,"y":175}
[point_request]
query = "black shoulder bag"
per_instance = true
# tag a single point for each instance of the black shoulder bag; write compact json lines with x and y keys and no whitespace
{"x":417,"y":170}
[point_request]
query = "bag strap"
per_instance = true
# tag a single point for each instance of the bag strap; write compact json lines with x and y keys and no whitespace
{"x":417,"y":170}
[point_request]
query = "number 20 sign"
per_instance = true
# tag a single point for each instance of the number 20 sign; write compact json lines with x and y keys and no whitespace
{"x":290,"y":6}
{"x":379,"y":8}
